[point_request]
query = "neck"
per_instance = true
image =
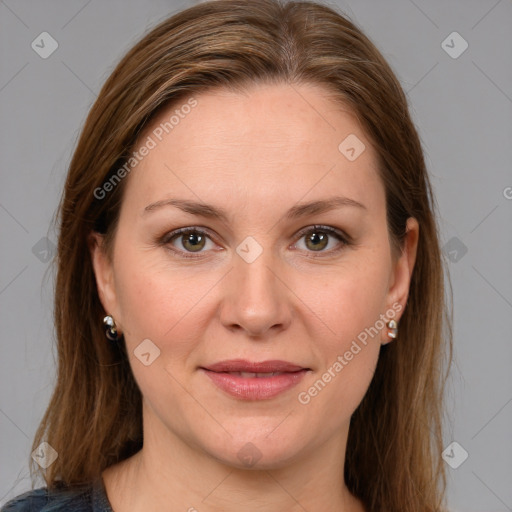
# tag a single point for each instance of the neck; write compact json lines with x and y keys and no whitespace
{"x":182,"y":477}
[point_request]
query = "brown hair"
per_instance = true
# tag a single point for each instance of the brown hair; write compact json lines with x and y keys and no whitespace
{"x":94,"y":418}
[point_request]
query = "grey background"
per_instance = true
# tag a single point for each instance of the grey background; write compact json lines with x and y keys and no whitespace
{"x":462,"y":107}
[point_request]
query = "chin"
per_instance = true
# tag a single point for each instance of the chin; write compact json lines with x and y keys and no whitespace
{"x":256,"y":449}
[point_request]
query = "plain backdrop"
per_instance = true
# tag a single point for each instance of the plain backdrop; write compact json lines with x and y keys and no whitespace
{"x":461,"y":102}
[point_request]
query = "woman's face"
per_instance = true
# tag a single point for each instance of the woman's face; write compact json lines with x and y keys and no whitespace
{"x":256,"y":281}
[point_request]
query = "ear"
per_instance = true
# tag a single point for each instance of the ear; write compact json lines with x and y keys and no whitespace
{"x":104,"y":273}
{"x":402,"y":272}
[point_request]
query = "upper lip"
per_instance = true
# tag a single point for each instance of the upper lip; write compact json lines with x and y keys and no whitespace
{"x":242,"y":365}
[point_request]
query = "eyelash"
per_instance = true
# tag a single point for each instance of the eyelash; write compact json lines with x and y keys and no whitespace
{"x":169,"y":237}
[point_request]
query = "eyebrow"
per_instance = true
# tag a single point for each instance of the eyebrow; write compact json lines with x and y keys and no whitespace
{"x":295,"y":212}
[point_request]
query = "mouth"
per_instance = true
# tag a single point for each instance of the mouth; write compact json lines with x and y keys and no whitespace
{"x":247,"y":380}
{"x":252,"y":375}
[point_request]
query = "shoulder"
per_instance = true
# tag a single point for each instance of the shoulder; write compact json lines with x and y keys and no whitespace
{"x":28,"y":501}
{"x":42,"y":500}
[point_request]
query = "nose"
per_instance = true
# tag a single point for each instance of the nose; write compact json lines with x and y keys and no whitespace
{"x":256,"y":298}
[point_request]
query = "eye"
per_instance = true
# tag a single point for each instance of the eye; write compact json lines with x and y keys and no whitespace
{"x":187,"y":240}
{"x":317,"y":238}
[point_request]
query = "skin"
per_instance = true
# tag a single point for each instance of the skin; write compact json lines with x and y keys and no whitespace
{"x":256,"y":155}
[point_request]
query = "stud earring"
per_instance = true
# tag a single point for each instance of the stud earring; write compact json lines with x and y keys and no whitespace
{"x":110,"y":328}
{"x":393,"y":329}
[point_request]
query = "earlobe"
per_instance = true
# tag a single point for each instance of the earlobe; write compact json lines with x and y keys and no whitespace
{"x":103,"y":271}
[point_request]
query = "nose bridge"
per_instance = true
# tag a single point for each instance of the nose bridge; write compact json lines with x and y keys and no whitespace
{"x":257,"y":297}
{"x":255,"y":278}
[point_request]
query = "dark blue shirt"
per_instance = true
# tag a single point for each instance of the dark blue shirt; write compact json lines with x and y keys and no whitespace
{"x":91,"y":498}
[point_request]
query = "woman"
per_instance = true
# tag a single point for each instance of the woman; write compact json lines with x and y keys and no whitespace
{"x":250,"y":300}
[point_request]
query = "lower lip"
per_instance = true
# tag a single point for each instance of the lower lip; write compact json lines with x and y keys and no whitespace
{"x":255,"y":388}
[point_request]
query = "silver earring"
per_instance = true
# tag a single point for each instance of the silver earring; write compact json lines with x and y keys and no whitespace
{"x":110,"y":328}
{"x":393,"y":329}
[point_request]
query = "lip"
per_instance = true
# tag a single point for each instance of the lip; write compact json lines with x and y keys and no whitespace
{"x":252,"y":387}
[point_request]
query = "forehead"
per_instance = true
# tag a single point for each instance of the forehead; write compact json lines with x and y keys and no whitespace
{"x":268,"y":142}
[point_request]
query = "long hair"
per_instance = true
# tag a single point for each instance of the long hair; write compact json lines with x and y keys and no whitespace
{"x":94,"y":419}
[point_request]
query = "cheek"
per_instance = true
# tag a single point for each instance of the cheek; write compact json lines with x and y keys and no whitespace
{"x":144,"y":295}
{"x":351,"y":307}
{"x":162,"y":302}
{"x":152,"y":300}
{"x":157,"y":304}
{"x":348,"y":354}
{"x":354,"y":298}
